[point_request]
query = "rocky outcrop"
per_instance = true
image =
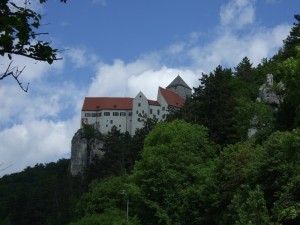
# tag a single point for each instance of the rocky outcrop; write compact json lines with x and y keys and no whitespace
{"x":84,"y":149}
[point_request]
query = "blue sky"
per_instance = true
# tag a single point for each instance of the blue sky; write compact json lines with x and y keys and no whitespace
{"x":118,"y":48}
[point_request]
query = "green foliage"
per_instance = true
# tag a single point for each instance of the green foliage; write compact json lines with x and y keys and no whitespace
{"x":89,"y":132}
{"x":292,"y":40}
{"x":117,"y":156}
{"x":44,"y":194}
{"x":102,"y":195}
{"x":212,"y":105}
{"x":254,"y":116}
{"x":105,"y":203}
{"x":251,"y":207}
{"x":171,"y":174}
{"x":109,"y":217}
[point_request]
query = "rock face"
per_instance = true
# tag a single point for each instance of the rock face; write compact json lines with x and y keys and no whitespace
{"x":83,"y":151}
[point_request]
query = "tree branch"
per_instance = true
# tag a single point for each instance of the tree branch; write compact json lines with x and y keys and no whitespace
{"x":31,"y":56}
{"x":15,"y":73}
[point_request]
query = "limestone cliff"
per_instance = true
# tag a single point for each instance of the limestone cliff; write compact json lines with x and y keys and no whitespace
{"x":86,"y":144}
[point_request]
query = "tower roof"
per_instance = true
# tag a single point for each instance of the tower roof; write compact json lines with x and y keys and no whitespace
{"x":178,"y":81}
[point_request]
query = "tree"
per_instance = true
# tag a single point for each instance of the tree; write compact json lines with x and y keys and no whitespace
{"x":173,"y":176}
{"x":251,"y":207}
{"x":254,"y":118}
{"x":247,"y":80}
{"x":292,"y":40}
{"x":19,"y":35}
{"x":289,"y":112}
{"x":212,"y":105}
{"x":105,"y":203}
{"x":109,"y":217}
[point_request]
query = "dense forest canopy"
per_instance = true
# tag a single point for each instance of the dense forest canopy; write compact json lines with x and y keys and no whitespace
{"x":201,"y":166}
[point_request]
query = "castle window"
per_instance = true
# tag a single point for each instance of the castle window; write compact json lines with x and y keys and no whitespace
{"x":96,"y":114}
{"x":87,"y":114}
{"x":122,"y":113}
{"x":106,"y":113}
{"x":151,"y":111}
{"x":137,"y":111}
{"x":139,"y":104}
{"x":130,"y":114}
{"x":111,"y":122}
{"x":158,"y":112}
{"x":115,"y":113}
{"x":163,"y":108}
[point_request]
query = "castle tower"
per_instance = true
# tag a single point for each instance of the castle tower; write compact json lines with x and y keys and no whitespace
{"x":180,"y":87}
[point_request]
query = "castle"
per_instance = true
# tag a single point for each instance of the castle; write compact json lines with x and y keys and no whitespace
{"x":125,"y":113}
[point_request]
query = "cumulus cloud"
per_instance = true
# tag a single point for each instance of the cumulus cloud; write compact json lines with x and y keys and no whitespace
{"x":229,"y":48}
{"x":237,"y":13}
{"x":34,"y":127}
{"x":37,"y":127}
{"x":35,"y":141}
{"x":122,"y":79}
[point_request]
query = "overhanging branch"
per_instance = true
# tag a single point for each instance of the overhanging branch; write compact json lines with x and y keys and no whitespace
{"x":15,"y":73}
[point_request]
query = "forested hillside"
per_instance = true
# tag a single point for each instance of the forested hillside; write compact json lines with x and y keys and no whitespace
{"x":200,"y":166}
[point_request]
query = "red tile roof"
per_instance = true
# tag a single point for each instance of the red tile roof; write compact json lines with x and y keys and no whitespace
{"x":152,"y":102}
{"x":172,"y":98}
{"x":106,"y":103}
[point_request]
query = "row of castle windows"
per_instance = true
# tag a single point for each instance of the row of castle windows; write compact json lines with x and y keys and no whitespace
{"x":151,"y":111}
{"x":107,"y":114}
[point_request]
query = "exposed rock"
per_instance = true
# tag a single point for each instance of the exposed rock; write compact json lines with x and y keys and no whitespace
{"x":83,"y":150}
{"x":269,"y":92}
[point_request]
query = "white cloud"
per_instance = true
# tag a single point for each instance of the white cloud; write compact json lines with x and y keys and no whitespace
{"x":237,"y":13}
{"x":126,"y":80}
{"x":36,"y":141}
{"x":229,"y":48}
{"x":37,"y":127}
{"x":80,"y":57}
